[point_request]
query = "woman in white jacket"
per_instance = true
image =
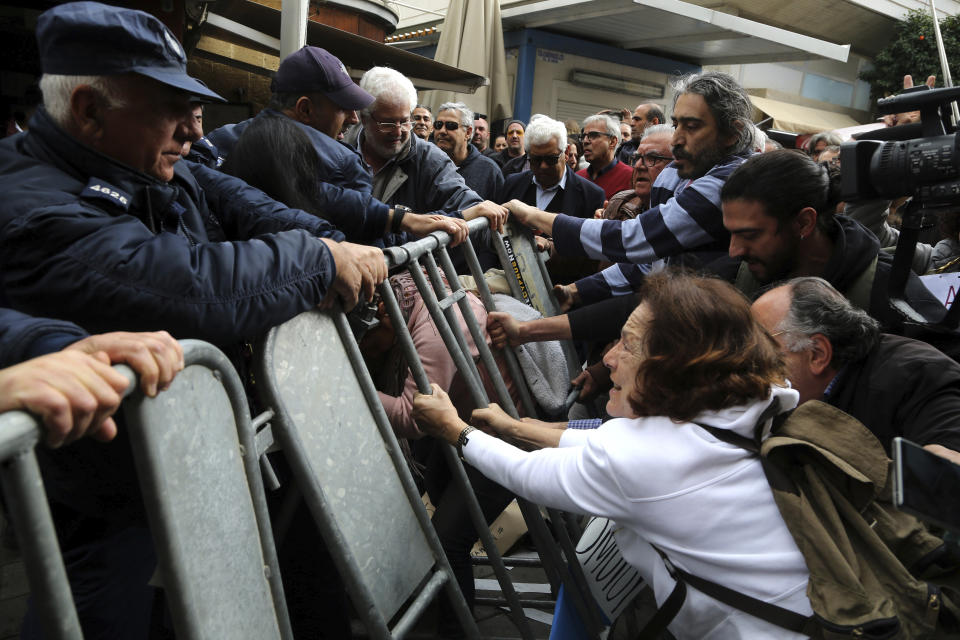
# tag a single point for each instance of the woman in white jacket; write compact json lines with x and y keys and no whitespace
{"x":690,"y":353}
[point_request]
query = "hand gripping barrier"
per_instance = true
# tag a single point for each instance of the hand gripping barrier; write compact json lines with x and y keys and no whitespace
{"x":200,"y":477}
{"x":350,"y":470}
{"x":440,"y":305}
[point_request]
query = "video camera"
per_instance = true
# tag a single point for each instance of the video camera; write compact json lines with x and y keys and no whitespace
{"x":921,"y":160}
{"x":918,"y":159}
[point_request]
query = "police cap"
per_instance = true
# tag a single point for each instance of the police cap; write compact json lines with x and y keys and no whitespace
{"x":94,"y":39}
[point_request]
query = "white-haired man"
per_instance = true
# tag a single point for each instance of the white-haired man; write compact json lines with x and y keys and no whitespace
{"x":408,"y":171}
{"x":550,"y":185}
{"x":601,"y":135}
{"x":453,"y":130}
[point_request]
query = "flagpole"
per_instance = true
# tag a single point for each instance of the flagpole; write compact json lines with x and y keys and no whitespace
{"x":947,"y":80}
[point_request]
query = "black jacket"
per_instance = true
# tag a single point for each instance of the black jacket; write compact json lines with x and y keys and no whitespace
{"x":343,"y":185}
{"x":481,"y":174}
{"x":904,"y":388}
{"x":579,"y":198}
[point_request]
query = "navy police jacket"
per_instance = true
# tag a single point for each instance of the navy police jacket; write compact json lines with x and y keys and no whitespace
{"x":90,"y":240}
{"x":23,"y":337}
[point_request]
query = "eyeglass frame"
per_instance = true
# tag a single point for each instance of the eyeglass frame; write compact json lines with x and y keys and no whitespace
{"x":593,"y":135}
{"x":404,"y":125}
{"x":644,"y":156}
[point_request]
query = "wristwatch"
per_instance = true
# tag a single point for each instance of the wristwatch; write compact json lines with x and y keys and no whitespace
{"x":463,"y":438}
{"x":398,"y":212}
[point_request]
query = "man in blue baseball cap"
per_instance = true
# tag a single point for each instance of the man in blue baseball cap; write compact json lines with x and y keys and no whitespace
{"x":104,"y":225}
{"x":313,"y":89}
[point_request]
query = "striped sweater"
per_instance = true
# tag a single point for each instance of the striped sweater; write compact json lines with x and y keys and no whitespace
{"x":684,"y":218}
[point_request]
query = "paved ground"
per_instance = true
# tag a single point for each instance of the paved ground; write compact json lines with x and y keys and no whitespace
{"x":494,"y":622}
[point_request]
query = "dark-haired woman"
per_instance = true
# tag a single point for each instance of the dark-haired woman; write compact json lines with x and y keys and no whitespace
{"x":690,"y":353}
{"x":275,"y":155}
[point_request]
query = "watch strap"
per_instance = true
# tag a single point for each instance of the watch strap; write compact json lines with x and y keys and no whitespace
{"x":463,"y":438}
{"x":398,"y":212}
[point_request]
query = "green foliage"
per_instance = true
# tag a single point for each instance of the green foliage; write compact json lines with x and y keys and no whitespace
{"x":913,"y":50}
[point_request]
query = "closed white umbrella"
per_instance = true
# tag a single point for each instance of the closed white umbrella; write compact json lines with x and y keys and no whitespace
{"x":472,"y":39}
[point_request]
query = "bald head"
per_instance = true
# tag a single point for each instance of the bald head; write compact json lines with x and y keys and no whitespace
{"x":771,"y":308}
{"x":807,"y":357}
{"x":644,"y":116}
{"x":819,"y":330}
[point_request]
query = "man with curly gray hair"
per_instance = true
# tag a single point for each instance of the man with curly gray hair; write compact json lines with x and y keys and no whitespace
{"x":835,"y":353}
{"x":712,"y":137}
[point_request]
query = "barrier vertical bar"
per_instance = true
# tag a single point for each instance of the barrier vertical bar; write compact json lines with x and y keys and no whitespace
{"x":457,"y":471}
{"x":383,"y":424}
{"x":33,"y":523}
{"x":580,"y":594}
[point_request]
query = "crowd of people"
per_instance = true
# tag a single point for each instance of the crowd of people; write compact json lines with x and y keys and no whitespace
{"x":705,"y":275}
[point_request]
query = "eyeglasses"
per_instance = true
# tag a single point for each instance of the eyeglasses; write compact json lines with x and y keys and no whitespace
{"x":593,"y":135}
{"x":649,"y":159}
{"x":449,"y":125}
{"x":550,"y":160}
{"x":403,"y":125}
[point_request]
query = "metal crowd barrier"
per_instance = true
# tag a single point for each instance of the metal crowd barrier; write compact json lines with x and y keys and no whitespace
{"x":196,"y":458}
{"x":196,"y":461}
{"x":349,"y":468}
{"x":429,"y":250}
{"x":30,"y":515}
{"x":199,"y":466}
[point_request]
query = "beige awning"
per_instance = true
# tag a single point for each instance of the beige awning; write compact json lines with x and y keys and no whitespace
{"x":799,"y":119}
{"x":259,"y":25}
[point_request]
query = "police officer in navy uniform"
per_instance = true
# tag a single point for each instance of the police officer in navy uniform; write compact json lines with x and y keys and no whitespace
{"x":104,"y":224}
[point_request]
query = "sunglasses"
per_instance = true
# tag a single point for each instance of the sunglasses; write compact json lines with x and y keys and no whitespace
{"x":549,"y":160}
{"x":449,"y":125}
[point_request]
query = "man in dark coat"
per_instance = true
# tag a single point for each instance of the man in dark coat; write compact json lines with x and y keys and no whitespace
{"x":552,"y":186}
{"x":835,"y":353}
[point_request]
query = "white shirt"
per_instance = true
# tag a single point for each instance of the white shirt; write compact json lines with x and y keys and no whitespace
{"x":544,"y":196}
{"x":705,"y":503}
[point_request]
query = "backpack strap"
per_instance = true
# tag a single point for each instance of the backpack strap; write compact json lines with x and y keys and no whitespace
{"x":668,"y":611}
{"x":774,"y":614}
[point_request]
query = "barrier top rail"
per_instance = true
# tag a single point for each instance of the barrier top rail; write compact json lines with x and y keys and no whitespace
{"x":405,"y":254}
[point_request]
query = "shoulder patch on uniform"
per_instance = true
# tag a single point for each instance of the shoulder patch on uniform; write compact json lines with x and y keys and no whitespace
{"x":97,"y":189}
